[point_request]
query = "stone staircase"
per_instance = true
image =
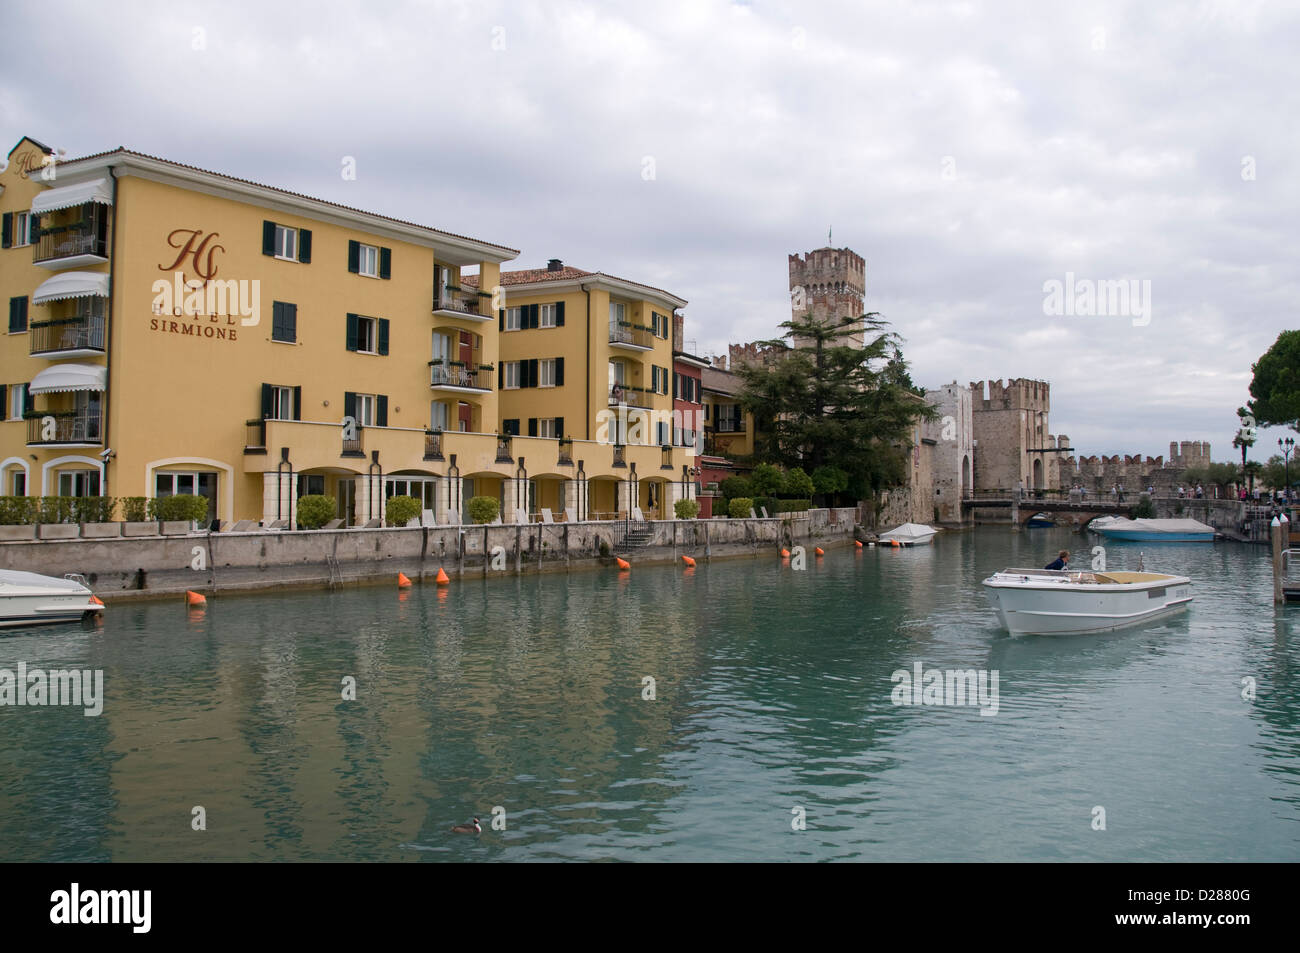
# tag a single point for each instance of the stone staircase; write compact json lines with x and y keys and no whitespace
{"x":630,"y":536}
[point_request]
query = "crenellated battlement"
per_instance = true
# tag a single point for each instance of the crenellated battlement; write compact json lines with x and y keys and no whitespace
{"x":1016,"y":394}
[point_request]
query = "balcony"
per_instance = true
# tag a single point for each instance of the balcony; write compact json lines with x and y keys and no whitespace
{"x":624,"y":394}
{"x":565,"y":458}
{"x":631,"y":337}
{"x":433,"y":445}
{"x":67,"y":428}
{"x":354,"y":446}
{"x":620,"y":456}
{"x":77,"y":336}
{"x":728,"y":425}
{"x":460,"y":378}
{"x":79,"y":240}
{"x":255,"y":437}
{"x":453,"y":302}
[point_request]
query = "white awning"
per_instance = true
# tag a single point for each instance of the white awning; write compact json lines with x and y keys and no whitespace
{"x":72,"y":284}
{"x":66,"y":196}
{"x":67,"y":377}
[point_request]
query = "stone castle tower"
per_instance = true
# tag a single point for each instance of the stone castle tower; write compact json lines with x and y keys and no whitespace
{"x":829,"y":283}
{"x":1190,"y":453}
{"x":1012,"y":442}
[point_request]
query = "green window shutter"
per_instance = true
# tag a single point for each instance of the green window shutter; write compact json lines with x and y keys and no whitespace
{"x":383,"y":335}
{"x":353,"y":332}
{"x":267,"y":402}
{"x":350,"y":404}
{"x":532,"y":426}
{"x":23,"y":308}
{"x":534,"y":315}
{"x":268,"y":238}
{"x":277,"y":320}
{"x":354,"y":257}
{"x":559,"y":371}
{"x":381,"y":410}
{"x":304,"y":245}
{"x":297,"y":403}
{"x":17,"y":314}
{"x":559,"y":314}
{"x":532,"y":373}
{"x":385,"y":263}
{"x":4,"y":401}
{"x":559,"y":426}
{"x":501,"y":319}
{"x":501,"y":375}
{"x":6,"y":230}
{"x":291,"y":322}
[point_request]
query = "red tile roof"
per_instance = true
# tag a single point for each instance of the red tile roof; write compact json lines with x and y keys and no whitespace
{"x":567,"y":273}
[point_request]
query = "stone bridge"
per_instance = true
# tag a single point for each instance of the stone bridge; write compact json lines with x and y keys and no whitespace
{"x":1072,"y":512}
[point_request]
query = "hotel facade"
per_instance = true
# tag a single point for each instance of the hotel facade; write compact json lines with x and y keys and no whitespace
{"x":173,"y":330}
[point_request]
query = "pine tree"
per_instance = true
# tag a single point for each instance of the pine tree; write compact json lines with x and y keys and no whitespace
{"x":821,"y":402}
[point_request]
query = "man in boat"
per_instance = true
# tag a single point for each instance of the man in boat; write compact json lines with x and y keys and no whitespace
{"x":1062,"y":560}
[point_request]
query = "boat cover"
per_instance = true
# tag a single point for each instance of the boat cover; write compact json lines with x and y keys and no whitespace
{"x":910,"y":531}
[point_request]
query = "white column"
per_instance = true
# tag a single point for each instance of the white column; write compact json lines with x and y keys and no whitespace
{"x":448,"y":494}
{"x":625,"y":501}
{"x":287,"y":505}
{"x":366,"y":507}
{"x":516,"y":502}
{"x":575,"y":497}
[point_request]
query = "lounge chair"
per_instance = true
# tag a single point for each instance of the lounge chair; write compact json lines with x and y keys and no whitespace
{"x":333,"y":524}
{"x":752,"y":514}
{"x":570,"y":515}
{"x":372,"y":524}
{"x":763,"y":510}
{"x":637,"y":514}
{"x":546,"y":516}
{"x":244,"y":526}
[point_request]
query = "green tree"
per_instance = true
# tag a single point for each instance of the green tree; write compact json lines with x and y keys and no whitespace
{"x":1275,"y":388}
{"x":767,"y":480}
{"x":798,"y":485}
{"x":830,"y":403}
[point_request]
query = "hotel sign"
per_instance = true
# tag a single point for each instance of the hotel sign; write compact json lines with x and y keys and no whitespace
{"x":206,"y":305}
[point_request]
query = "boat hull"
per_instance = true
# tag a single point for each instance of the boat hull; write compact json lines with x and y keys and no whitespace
{"x":28,"y":599}
{"x":1147,"y":536}
{"x":1032,"y":605}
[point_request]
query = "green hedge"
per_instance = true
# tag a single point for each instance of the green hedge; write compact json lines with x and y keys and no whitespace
{"x":793,"y":506}
{"x":686,"y":509}
{"x":739,"y":507}
{"x":19,"y":510}
{"x":181,"y":506}
{"x":483,"y":509}
{"x":400,"y":510}
{"x":135,"y":509}
{"x":315,"y":510}
{"x":25,"y":510}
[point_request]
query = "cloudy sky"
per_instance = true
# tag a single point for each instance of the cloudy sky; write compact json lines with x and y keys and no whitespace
{"x":970,"y":152}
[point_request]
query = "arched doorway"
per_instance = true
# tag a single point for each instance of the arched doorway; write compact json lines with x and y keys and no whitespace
{"x":1038,"y":475}
{"x":965,"y":477}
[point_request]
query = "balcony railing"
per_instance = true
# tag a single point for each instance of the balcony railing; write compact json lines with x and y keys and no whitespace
{"x":631,"y":396}
{"x":620,"y":455}
{"x":443,"y":374}
{"x":67,"y":334}
{"x":433,"y":445}
{"x":503,"y":449}
{"x":630,"y":334}
{"x":62,"y":427}
{"x":458,"y":300}
{"x":566,"y":452}
{"x":354,"y":447}
{"x":69,"y":244}
{"x":254,"y":436}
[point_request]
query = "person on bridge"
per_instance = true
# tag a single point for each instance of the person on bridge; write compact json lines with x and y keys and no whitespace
{"x":1061,"y":562}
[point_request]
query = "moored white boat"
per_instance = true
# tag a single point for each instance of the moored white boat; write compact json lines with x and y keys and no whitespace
{"x":1154,"y":530}
{"x":909,"y":534}
{"x":1062,"y":602}
{"x":28,"y":598}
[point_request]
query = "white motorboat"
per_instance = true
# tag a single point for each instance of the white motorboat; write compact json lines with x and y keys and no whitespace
{"x":1154,"y":530}
{"x":909,"y":534}
{"x":1063,"y":602}
{"x":28,"y":598}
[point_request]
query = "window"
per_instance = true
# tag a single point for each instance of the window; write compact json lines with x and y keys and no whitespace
{"x":617,"y":310}
{"x":289,"y":244}
{"x":513,"y":320}
{"x":286,"y":242}
{"x":22,"y":229}
{"x":311,"y":484}
{"x":659,"y":323}
{"x":79,"y":483}
{"x":369,"y":261}
{"x":369,"y":410}
{"x":511,"y":375}
{"x":550,"y":427}
{"x":367,"y":335}
{"x":546,"y":317}
{"x":546,"y":373}
{"x":365,"y":410}
{"x":284,"y":322}
{"x":510,"y":426}
{"x":18,"y":315}
{"x":437,"y":415}
{"x":18,"y":483}
{"x":281,"y":403}
{"x":17,"y":401}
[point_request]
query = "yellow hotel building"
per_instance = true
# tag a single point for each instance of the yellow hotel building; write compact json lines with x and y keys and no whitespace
{"x":173,"y":330}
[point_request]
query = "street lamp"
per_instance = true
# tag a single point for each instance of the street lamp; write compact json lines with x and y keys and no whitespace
{"x":1287,"y":446}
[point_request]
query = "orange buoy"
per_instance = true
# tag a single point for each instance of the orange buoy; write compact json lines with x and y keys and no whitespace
{"x":623,"y":563}
{"x":688,"y":560}
{"x":96,"y":601}
{"x":895,"y":544}
{"x":441,"y":579}
{"x":819,"y":551}
{"x":785,"y":554}
{"x":402,"y":581}
{"x":857,"y":543}
{"x":194,"y":599}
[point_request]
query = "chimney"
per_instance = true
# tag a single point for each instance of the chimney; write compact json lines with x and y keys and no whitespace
{"x":555,"y":265}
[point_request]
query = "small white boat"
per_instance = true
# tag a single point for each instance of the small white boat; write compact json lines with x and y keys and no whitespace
{"x":28,"y":598}
{"x":1062,"y":602}
{"x":909,"y":534}
{"x":1155,"y":530}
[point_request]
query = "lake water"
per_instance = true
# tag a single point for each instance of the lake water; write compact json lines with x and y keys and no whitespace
{"x":772,"y":704}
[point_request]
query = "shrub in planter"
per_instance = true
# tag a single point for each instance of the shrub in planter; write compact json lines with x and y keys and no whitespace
{"x":18,"y":510}
{"x":400,"y":510}
{"x":483,"y":509}
{"x":739,"y":507}
{"x":135,"y":509}
{"x":315,"y":510}
{"x":56,"y":509}
{"x":686,"y":509}
{"x":181,"y":506}
{"x":94,"y":509}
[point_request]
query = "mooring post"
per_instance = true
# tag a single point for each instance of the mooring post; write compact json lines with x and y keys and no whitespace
{"x":1280,"y":529}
